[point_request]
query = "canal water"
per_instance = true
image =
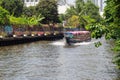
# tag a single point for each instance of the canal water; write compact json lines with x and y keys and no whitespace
{"x":54,"y":61}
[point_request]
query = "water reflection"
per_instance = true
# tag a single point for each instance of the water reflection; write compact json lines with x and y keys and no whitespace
{"x":52,"y":61}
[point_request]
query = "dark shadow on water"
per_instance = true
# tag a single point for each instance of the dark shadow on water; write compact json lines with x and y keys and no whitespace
{"x":70,"y":46}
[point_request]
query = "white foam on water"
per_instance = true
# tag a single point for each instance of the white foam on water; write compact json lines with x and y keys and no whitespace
{"x":85,"y":43}
{"x":62,"y":43}
{"x":58,"y":43}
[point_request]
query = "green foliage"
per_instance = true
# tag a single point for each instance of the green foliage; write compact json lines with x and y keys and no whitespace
{"x":112,"y":19}
{"x":110,"y":27}
{"x":116,"y":60}
{"x":34,"y":20}
{"x":89,"y":20}
{"x":4,"y":16}
{"x":1,"y":2}
{"x":15,"y":7}
{"x":79,"y":6}
{"x":48,"y":9}
{"x":29,"y":11}
{"x":92,"y":10}
{"x":97,"y":44}
{"x":88,"y":13}
{"x":70,"y":12}
{"x":19,"y":20}
{"x":112,"y":12}
{"x":117,"y":46}
{"x":62,"y":17}
{"x":73,"y":21}
{"x":97,"y":30}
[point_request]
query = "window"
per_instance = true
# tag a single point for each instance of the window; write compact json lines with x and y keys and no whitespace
{"x":36,"y":0}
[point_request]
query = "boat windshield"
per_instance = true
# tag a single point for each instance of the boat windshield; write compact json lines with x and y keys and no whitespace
{"x":68,"y":34}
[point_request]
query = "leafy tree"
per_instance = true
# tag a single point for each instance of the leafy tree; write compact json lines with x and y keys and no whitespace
{"x":48,"y":8}
{"x":62,"y":17}
{"x":29,"y":11}
{"x":4,"y":16}
{"x":70,"y":12}
{"x":112,"y":17}
{"x":15,"y":7}
{"x":1,"y":1}
{"x":73,"y":21}
{"x":112,"y":20}
{"x":110,"y":27}
{"x":86,"y":11}
{"x":92,"y":10}
{"x":79,"y":6}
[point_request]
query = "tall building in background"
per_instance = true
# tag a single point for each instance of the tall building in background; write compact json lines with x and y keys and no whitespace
{"x":100,"y":4}
{"x":30,"y":2}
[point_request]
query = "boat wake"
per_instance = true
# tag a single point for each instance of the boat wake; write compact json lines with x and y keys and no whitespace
{"x":58,"y":43}
{"x":62,"y":43}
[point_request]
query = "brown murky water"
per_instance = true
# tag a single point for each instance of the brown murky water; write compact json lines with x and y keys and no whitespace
{"x":54,"y":61}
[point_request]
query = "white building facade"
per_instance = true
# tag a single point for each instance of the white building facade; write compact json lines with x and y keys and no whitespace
{"x":30,"y":2}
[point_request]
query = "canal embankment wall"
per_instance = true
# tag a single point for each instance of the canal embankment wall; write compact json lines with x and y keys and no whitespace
{"x":28,"y":39}
{"x":19,"y":34}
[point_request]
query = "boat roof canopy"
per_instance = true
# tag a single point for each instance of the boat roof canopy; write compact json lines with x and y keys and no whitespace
{"x":77,"y":32}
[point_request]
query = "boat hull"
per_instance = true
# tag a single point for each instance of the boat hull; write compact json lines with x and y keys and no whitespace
{"x":77,"y":37}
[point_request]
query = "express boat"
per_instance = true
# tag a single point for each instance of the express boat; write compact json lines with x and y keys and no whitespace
{"x":77,"y":36}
